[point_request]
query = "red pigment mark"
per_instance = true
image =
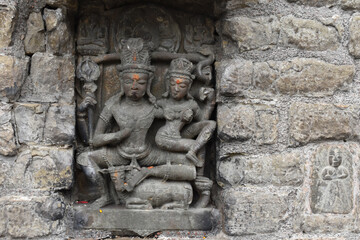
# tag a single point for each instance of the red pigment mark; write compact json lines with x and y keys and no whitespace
{"x":179,"y":80}
{"x":134,"y":57}
{"x":150,"y":167}
{"x":82,"y":202}
{"x":135,"y":77}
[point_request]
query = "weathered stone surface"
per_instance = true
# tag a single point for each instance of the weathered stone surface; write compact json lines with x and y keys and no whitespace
{"x":42,"y":168}
{"x":53,"y":18}
{"x":252,"y":33}
{"x":298,"y":76}
{"x":316,"y":3}
{"x":60,"y":125}
{"x":286,"y":169}
{"x":30,"y":122}
{"x":21,"y":219}
{"x":35,"y":36}
{"x":244,"y":122}
{"x":51,"y":79}
{"x":13,"y":72}
{"x":327,"y":224}
{"x":7,"y":17}
{"x":59,"y":34}
{"x":350,"y":4}
{"x":354,"y":44}
{"x":312,"y":122}
{"x":253,"y":210}
{"x":238,"y":4}
{"x":307,"y":34}
{"x":234,"y":76}
{"x":332,"y":181}
{"x":69,"y":4}
{"x":7,"y":136}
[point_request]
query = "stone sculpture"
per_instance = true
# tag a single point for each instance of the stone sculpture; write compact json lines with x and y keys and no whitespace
{"x":137,"y":167}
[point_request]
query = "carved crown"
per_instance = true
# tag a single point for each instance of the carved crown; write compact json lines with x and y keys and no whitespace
{"x":181,"y":66}
{"x":134,"y":55}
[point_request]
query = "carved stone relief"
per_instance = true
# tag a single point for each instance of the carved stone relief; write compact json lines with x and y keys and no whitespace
{"x":151,"y":102}
{"x":332,"y":182}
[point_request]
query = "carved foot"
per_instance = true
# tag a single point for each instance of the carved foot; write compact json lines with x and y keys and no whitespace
{"x":192,"y":157}
{"x":137,"y":203}
{"x":101,"y":202}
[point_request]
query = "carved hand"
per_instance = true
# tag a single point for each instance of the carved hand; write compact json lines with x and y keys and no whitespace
{"x":207,"y":93}
{"x":88,"y":101}
{"x":187,"y":115}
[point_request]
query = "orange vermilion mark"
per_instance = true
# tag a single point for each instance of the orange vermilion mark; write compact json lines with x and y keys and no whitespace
{"x":179,"y":80}
{"x":135,"y":77}
{"x":134,"y":57}
{"x":150,"y":167}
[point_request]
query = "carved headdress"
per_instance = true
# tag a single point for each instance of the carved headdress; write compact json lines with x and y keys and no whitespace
{"x":181,"y":66}
{"x":135,"y":56}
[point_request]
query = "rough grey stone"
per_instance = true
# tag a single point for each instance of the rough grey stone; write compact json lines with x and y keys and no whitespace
{"x":332,"y":181}
{"x":330,"y":224}
{"x":253,"y":210}
{"x":42,"y":168}
{"x":7,"y":135}
{"x":244,"y":122}
{"x":59,"y":35}
{"x":60,"y":125}
{"x":350,"y":4}
{"x":252,"y":33}
{"x":312,"y":122}
{"x":13,"y":72}
{"x":51,"y":79}
{"x":354,"y":45}
{"x":35,"y":35}
{"x":8,"y":14}
{"x":316,"y":3}
{"x":21,"y":219}
{"x":307,"y":34}
{"x":286,"y":169}
{"x":69,"y":4}
{"x":30,"y":122}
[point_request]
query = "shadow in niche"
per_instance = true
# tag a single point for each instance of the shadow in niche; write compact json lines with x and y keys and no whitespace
{"x":173,"y":34}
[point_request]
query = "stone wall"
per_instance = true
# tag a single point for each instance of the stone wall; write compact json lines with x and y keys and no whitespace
{"x":288,"y":80}
{"x":37,"y":117}
{"x":288,"y":103}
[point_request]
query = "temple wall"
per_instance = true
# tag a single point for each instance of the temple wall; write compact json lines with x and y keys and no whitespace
{"x":288,"y":83}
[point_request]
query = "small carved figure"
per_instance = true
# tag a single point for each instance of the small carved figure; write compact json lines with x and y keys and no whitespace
{"x":335,"y":198}
{"x":179,"y":110}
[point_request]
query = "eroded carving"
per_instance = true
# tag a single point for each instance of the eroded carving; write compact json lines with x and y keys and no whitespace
{"x":332,"y":189}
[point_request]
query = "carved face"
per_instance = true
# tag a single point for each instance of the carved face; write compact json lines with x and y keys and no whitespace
{"x":179,"y":87}
{"x":135,"y":85}
{"x":335,"y":158}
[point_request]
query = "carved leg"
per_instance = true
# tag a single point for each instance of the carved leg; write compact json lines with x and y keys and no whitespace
{"x":138,"y":203}
{"x":92,"y":172}
{"x":174,"y":205}
{"x":203,"y":185}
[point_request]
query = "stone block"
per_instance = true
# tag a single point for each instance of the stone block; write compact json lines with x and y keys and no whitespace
{"x":286,"y":169}
{"x":21,"y":217}
{"x":51,"y":79}
{"x":243,"y":122}
{"x":314,"y":122}
{"x":332,"y":178}
{"x":239,"y":4}
{"x":298,"y":76}
{"x":35,"y":35}
{"x":307,"y":34}
{"x":234,"y":77}
{"x":7,"y":135}
{"x":44,"y":168}
{"x":60,"y":38}
{"x":60,"y":125}
{"x":13,"y":72}
{"x":327,"y":224}
{"x":249,"y":211}
{"x":354,"y":45}
{"x":7,"y":16}
{"x":30,"y":122}
{"x":350,"y":4}
{"x":252,"y":33}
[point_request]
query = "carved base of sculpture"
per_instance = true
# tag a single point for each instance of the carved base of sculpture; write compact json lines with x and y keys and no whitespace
{"x":144,"y":222}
